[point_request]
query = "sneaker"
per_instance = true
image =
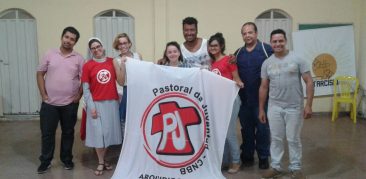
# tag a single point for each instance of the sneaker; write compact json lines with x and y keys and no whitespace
{"x":248,"y":162}
{"x":234,"y":168}
{"x":43,"y":168}
{"x":297,"y":174}
{"x":68,"y":165}
{"x":272,"y":173}
{"x":263,"y":163}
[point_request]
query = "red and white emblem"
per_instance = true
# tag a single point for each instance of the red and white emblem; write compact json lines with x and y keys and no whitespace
{"x":174,"y":130}
{"x":217,"y":71}
{"x":103,"y":76}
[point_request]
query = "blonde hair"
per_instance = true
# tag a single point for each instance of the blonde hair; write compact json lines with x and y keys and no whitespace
{"x":116,"y":40}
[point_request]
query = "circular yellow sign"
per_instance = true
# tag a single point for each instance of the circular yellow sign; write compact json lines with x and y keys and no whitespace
{"x":324,"y":66}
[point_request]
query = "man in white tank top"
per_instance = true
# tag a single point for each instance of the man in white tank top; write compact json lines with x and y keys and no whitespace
{"x":194,"y":49}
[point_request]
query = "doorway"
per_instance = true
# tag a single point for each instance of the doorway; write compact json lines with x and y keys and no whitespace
{"x":18,"y":61}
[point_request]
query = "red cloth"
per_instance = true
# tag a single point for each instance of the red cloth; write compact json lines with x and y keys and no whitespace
{"x":102,"y":81}
{"x":83,"y":125}
{"x":101,"y":78}
{"x":224,"y":68}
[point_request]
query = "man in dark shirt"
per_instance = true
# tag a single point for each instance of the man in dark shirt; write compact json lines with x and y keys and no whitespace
{"x":255,"y":135}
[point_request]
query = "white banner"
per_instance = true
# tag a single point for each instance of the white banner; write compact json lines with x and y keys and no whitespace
{"x":329,"y":51}
{"x":177,"y":120}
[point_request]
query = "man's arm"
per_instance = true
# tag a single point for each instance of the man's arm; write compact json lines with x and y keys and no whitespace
{"x":309,"y":94}
{"x":233,"y":57}
{"x":41,"y":85}
{"x":78,"y":95}
{"x":263,"y":94}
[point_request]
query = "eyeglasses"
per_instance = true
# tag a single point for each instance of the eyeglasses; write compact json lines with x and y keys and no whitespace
{"x":214,"y":45}
{"x":96,"y":47}
{"x":123,"y":43}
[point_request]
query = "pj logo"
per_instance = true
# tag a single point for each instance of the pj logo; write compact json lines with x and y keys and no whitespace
{"x":174,"y":131}
{"x":172,"y":122}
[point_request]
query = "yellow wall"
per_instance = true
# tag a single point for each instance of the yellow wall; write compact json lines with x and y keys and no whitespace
{"x":362,"y":57}
{"x":159,"y":21}
{"x":54,"y":15}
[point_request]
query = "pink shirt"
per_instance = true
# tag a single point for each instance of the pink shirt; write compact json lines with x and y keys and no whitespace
{"x":62,"y":79}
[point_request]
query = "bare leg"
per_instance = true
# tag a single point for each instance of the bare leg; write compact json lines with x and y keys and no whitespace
{"x":100,"y":153}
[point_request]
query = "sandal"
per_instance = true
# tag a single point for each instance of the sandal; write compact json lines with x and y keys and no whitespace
{"x":99,"y":171}
{"x":107,"y":166}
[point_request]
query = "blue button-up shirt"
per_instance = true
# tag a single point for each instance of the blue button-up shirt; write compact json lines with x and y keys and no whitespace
{"x":249,"y":68}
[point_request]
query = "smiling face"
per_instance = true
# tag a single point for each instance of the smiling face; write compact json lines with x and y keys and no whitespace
{"x":278,"y":43}
{"x":124,"y":45}
{"x":97,"y":50}
{"x":172,"y":52}
{"x":249,"y":34}
{"x":190,"y":32}
{"x":68,"y":41}
{"x":214,"y":48}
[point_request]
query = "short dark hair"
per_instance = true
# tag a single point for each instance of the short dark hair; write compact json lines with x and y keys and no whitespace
{"x":73,"y":31}
{"x":249,"y":23}
{"x":220,"y":39}
{"x":173,"y":43}
{"x":278,"y":31}
{"x":190,"y":21}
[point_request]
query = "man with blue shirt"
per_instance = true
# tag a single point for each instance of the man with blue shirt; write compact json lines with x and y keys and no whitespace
{"x":255,"y":135}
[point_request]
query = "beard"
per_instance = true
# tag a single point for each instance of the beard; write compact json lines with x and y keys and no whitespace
{"x":67,"y":46}
{"x":191,"y":38}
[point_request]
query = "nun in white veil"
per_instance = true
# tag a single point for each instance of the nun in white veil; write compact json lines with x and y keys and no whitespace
{"x":99,"y":78}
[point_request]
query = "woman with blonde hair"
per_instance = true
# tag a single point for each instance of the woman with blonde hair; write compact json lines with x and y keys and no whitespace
{"x":123,"y":44}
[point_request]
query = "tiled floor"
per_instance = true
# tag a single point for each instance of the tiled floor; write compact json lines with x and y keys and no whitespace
{"x":330,"y":150}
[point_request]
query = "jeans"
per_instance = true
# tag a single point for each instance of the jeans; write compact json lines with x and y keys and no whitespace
{"x":255,"y":135}
{"x":285,"y":122}
{"x":50,"y":115}
{"x":231,"y":149}
{"x":122,"y":110}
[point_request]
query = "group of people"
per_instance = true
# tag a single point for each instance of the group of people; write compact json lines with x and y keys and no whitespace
{"x":269,"y":77}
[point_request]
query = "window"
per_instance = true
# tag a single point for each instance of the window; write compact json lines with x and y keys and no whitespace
{"x":15,"y":14}
{"x":274,"y":19}
{"x":109,"y":23}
